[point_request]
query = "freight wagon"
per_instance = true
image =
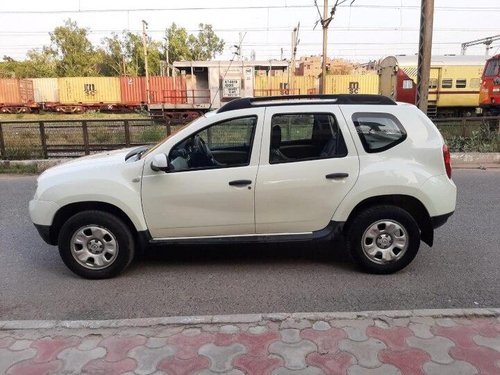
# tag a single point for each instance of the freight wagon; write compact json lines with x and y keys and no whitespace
{"x":453,"y":86}
{"x":16,"y":95}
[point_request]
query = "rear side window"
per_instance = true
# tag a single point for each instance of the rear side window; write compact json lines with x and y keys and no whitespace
{"x":378,"y":131}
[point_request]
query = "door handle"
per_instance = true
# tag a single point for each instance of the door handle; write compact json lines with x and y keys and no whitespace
{"x":240,"y":182}
{"x":334,"y":176}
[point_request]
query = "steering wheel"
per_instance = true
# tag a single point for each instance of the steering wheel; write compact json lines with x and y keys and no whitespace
{"x":200,"y":144}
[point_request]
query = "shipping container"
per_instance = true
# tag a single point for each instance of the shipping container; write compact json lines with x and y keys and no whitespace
{"x":16,"y":92}
{"x":46,"y":90}
{"x":168,"y":90}
{"x":352,"y":84}
{"x":162,"y":89}
{"x":89,"y":90}
{"x":285,"y":85}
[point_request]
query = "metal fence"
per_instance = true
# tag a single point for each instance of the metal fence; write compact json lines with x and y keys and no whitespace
{"x":72,"y":138}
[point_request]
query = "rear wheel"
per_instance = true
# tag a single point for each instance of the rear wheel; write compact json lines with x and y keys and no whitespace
{"x":384,"y":239}
{"x":96,"y":244}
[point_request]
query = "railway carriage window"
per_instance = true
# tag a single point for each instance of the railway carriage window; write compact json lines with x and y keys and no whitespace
{"x":474,"y":83}
{"x":378,"y":131}
{"x":407,"y":84}
{"x":305,"y":136}
{"x":447,"y":84}
{"x":433,"y":83}
{"x":221,"y":145}
{"x":461,"y":83}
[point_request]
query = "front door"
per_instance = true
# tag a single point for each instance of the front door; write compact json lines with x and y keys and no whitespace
{"x":308,"y":165}
{"x":209,"y":190}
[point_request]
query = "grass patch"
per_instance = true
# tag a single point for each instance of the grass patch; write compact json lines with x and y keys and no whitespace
{"x":7,"y":168}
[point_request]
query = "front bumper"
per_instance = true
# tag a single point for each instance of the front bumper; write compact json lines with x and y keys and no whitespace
{"x":44,"y":231}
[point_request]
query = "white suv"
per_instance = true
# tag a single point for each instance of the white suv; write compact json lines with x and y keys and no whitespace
{"x":293,"y":168}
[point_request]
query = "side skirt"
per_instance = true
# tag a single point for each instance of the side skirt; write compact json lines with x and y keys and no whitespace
{"x":332,"y":230}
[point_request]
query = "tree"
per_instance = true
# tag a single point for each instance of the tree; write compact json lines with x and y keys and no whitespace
{"x":177,"y":43}
{"x":74,"y":53}
{"x":183,"y":46}
{"x":37,"y":64}
{"x":207,"y":44}
{"x":124,"y":55}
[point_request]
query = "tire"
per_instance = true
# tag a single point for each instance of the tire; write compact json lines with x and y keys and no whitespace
{"x":383,"y":239}
{"x":104,"y":241}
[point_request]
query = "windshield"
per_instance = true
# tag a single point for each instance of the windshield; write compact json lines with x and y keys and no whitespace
{"x":168,"y":137}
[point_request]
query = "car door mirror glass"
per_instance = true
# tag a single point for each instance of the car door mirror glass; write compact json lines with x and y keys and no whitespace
{"x":160,"y":163}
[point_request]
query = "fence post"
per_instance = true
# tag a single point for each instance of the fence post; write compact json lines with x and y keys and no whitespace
{"x":2,"y":143}
{"x":43,"y":140}
{"x":127,"y":133}
{"x":464,"y":127}
{"x":168,"y":126}
{"x":85,"y":138}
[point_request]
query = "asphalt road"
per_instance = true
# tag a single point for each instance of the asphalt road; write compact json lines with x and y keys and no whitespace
{"x":462,"y":270}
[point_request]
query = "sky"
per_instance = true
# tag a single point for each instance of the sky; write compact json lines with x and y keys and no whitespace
{"x":367,"y":30}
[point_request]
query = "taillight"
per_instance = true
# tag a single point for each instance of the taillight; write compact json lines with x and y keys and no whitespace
{"x":447,"y":160}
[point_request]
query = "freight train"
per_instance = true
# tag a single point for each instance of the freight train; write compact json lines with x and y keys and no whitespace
{"x":199,"y":86}
{"x":489,"y":98}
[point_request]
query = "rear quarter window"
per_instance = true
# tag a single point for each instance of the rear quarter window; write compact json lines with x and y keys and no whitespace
{"x":378,"y":131}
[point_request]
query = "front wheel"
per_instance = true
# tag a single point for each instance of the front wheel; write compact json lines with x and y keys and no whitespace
{"x":383,"y":239}
{"x":96,"y":244}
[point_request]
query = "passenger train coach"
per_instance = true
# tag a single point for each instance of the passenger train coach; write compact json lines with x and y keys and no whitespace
{"x":454,"y":82}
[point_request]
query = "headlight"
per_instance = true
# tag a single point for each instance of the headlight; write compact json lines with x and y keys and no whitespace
{"x":496,"y":89}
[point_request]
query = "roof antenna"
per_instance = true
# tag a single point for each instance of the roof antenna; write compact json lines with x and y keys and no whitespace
{"x":236,"y":52}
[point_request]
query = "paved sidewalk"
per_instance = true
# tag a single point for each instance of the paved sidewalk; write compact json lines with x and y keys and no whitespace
{"x":392,"y":342}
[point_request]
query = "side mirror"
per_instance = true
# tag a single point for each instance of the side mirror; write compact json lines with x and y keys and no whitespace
{"x":160,"y":163}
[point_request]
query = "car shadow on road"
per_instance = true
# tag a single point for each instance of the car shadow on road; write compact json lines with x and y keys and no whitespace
{"x":269,"y":253}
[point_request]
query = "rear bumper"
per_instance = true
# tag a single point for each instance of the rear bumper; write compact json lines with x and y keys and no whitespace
{"x":438,"y":221}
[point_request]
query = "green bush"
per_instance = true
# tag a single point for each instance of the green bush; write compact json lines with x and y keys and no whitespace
{"x":152,"y":134}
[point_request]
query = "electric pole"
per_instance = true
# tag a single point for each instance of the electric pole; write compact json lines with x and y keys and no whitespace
{"x":325,"y":22}
{"x":166,"y":56}
{"x":424,"y":53}
{"x":145,"y":43}
{"x":291,"y":73}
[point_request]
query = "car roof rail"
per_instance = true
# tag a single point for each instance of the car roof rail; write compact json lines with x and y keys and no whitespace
{"x":267,"y":101}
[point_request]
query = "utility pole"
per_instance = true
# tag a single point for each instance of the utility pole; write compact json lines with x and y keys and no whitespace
{"x":325,"y":22}
{"x":291,"y":73}
{"x":424,"y":53}
{"x":145,"y":43}
{"x":166,"y":56}
{"x":324,"y":25}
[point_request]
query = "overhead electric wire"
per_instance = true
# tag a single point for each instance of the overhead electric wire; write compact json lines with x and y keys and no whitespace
{"x":251,"y":7}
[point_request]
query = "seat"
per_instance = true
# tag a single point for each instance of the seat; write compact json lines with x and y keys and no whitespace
{"x":276,"y":155}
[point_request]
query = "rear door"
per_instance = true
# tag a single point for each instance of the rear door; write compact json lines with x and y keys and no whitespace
{"x":308,"y":164}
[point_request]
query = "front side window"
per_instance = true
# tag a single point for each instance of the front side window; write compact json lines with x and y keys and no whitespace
{"x":378,"y":131}
{"x":305,"y":136}
{"x":222,"y":145}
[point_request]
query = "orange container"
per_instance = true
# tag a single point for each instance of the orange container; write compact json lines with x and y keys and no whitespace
{"x":133,"y":91}
{"x":168,"y":90}
{"x":14,"y":91}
